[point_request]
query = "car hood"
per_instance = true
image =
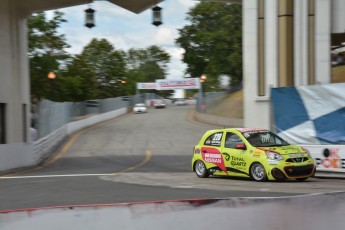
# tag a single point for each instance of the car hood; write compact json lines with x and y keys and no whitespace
{"x":284,"y":150}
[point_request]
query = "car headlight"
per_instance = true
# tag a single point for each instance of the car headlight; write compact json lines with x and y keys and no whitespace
{"x":307,"y":151}
{"x":274,"y":156}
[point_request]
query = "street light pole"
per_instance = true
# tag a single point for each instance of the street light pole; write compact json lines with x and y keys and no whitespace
{"x":123,"y":82}
{"x":202,"y":94}
{"x":52,"y":76}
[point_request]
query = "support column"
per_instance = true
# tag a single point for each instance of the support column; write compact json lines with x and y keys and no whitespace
{"x":300,"y":42}
{"x":285,"y":38}
{"x":271,"y":47}
{"x":14,"y":87}
{"x":311,"y":42}
{"x":322,"y":41}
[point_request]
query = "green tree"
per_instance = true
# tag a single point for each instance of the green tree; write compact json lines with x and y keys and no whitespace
{"x":46,"y":52}
{"x":146,"y":65}
{"x":78,"y":80}
{"x":213,"y":42}
{"x":108,"y":67}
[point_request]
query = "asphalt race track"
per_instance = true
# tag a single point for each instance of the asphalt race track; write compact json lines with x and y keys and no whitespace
{"x":136,"y":158}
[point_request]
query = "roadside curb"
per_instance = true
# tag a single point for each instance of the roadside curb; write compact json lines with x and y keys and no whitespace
{"x":215,"y":120}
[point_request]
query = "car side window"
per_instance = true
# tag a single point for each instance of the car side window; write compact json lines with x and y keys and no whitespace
{"x":214,"y":139}
{"x":231,"y":140}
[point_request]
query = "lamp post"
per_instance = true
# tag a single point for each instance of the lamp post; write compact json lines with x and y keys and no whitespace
{"x":52,"y":76}
{"x":89,"y":18}
{"x":156,"y":16}
{"x":123,"y":83}
{"x":202,"y":94}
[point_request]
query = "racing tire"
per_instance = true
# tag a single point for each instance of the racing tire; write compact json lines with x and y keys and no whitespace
{"x":200,"y":169}
{"x":301,"y":179}
{"x":258,"y":172}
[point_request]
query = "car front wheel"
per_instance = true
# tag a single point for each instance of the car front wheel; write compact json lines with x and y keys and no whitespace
{"x":258,"y":172}
{"x":200,"y":169}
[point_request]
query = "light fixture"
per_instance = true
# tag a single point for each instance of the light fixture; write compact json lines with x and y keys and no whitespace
{"x":156,"y":16}
{"x":203,"y":78}
{"x":89,"y":18}
{"x":51,"y":75}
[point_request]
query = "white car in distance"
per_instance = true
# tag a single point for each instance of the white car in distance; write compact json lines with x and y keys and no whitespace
{"x":140,"y":108}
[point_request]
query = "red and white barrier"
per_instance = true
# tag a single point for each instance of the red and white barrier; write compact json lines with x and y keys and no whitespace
{"x":329,"y":159}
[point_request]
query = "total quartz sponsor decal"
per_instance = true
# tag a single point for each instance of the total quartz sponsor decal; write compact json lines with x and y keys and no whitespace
{"x":212,"y":155}
{"x":237,"y":161}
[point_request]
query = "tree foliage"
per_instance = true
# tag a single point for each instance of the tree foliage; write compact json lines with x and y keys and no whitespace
{"x":46,"y":51}
{"x":213,"y":42}
{"x":108,"y":67}
{"x":99,"y":71}
{"x":146,"y":65}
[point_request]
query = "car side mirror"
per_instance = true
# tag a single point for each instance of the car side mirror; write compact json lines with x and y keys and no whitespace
{"x":240,"y":146}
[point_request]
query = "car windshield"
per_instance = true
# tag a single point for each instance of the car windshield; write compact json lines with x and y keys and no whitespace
{"x":264,"y":139}
{"x":139,"y":105}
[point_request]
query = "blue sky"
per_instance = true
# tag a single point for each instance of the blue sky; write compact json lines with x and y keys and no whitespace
{"x":125,"y":29}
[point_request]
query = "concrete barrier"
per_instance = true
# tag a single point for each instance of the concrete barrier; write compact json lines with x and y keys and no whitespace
{"x":16,"y":155}
{"x":310,"y":212}
{"x":329,"y":159}
{"x":21,"y":155}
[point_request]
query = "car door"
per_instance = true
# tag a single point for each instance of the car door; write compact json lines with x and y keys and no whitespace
{"x":211,"y":153}
{"x":235,"y":159}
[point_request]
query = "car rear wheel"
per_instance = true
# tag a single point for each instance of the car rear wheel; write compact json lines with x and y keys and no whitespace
{"x":200,"y":169}
{"x":258,"y":172}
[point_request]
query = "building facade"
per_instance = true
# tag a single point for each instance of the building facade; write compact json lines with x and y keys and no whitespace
{"x":286,"y":43}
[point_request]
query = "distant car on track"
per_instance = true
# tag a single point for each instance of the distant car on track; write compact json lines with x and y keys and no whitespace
{"x":180,"y":101}
{"x":159,"y":104}
{"x":258,"y":154}
{"x":140,"y":108}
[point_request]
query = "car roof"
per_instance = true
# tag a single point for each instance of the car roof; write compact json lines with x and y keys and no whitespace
{"x":241,"y":130}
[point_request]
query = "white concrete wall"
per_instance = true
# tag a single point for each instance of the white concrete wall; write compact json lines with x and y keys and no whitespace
{"x":338,"y":16}
{"x":322,"y":41}
{"x":271,"y":44}
{"x":301,"y":42}
{"x":256,"y":110}
{"x":19,"y":155}
{"x":16,"y":155}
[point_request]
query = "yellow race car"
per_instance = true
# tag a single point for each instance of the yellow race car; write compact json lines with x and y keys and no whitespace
{"x":258,"y":154}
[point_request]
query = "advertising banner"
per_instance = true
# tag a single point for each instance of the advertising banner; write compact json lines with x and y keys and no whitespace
{"x":312,"y":114}
{"x":330,"y":158}
{"x":146,"y":85}
{"x":171,"y":84}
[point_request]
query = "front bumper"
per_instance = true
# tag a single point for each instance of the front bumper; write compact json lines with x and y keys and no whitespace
{"x":293,"y":172}
{"x":139,"y":111}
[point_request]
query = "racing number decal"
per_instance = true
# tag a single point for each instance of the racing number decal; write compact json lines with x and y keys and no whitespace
{"x":217,"y":136}
{"x":214,"y":156}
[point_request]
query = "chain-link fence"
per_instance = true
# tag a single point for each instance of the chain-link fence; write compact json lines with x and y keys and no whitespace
{"x":50,"y":115}
{"x":208,"y":100}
